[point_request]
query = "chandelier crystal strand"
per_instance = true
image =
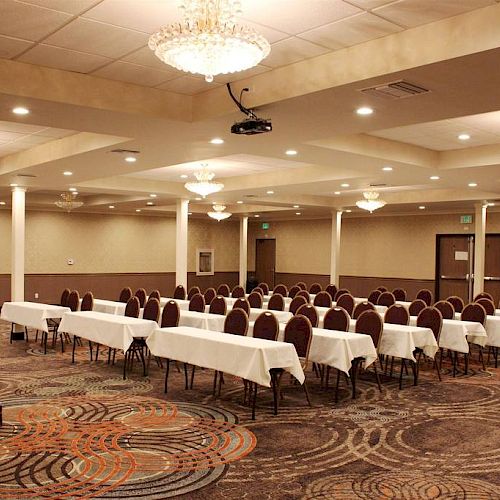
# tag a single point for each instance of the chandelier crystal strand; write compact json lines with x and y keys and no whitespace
{"x":68,"y":202}
{"x":371,"y":201}
{"x":218,"y":213}
{"x":209,"y":41}
{"x":204,"y":184}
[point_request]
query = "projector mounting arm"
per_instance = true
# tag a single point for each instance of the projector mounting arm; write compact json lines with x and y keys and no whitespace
{"x":242,"y":108}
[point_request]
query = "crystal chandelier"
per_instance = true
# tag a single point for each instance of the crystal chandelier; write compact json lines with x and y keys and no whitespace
{"x":371,"y":201}
{"x":68,"y":202}
{"x":218,"y":213}
{"x":204,"y":184}
{"x":208,"y":41}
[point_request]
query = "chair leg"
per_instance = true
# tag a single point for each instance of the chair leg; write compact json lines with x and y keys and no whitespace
{"x":73,"y":355}
{"x":438,"y":366}
{"x":481,"y":357}
{"x":403,"y":363}
{"x":166,"y":376}
{"x":304,"y":385}
{"x":221,"y":381}
{"x":254,"y":400}
{"x":192,"y":377}
{"x":377,"y":377}
{"x":274,"y":383}
{"x":337,"y":387}
{"x":90,"y":350}
{"x":215,"y":382}
{"x":26,"y":334}
{"x":186,"y":384}
{"x":466,"y":363}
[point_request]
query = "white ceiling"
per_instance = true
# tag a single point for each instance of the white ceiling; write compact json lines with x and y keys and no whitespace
{"x":108,"y":38}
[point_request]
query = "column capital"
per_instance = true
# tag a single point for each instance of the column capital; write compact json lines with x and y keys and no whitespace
{"x":18,"y":189}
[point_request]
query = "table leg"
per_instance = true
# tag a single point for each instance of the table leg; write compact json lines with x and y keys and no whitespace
{"x":74,"y":344}
{"x":166,"y":375}
{"x":354,"y":376}
{"x":274,"y":382}
{"x":45,"y":338}
{"x":126,"y":353}
{"x":186,"y":384}
{"x":414,"y":369}
{"x":254,"y":401}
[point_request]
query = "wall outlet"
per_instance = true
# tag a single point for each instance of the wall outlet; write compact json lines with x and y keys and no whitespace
{"x":36,"y":295}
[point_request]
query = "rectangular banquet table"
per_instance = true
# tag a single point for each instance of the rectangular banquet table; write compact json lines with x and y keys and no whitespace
{"x":265,"y":300}
{"x":183,"y":304}
{"x":281,"y":316}
{"x":492,"y":328}
{"x":109,"y":306}
{"x":205,"y":321}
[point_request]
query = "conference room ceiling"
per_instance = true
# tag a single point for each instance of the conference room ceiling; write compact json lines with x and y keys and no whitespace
{"x":311,"y":100}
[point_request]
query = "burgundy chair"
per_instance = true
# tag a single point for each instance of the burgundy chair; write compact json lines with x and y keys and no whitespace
{"x":323,"y":299}
{"x":341,"y":292}
{"x":425,"y":295}
{"x":386,"y":299}
{"x":310,"y":313}
{"x":64,"y":297}
{"x":133,"y":307}
{"x":477,"y":313}
{"x":416,"y":306}
{"x":446,"y":309}
{"x":382,"y":289}
{"x":242,"y":303}
{"x":264,"y":287}
{"x":209,"y":295}
{"x":238,"y":292}
{"x":266,"y":326}
{"x":87,"y":302}
{"x":74,"y":301}
{"x":399,"y":294}
{"x":484,"y":295}
{"x":332,"y":290}
{"x":155,"y":294}
{"x":152,"y":310}
{"x":180,"y":293}
{"x":296,"y":303}
{"x":431,"y":317}
{"x":293,"y":291}
{"x":259,"y":290}
{"x":197,"y":303}
{"x":397,"y":315}
{"x":255,"y":300}
{"x":281,"y":289}
{"x":315,"y":288}
{"x":346,"y":301}
{"x":170,"y":315}
{"x":218,"y":305}
{"x":125,"y":295}
{"x":456,"y":302}
{"x":236,"y":322}
{"x":193,"y":291}
{"x":336,"y":318}
{"x":488,"y":305}
{"x":276,"y":302}
{"x":141,"y":295}
{"x":370,"y":323}
{"x":224,"y":290}
{"x":301,"y":285}
{"x":374,"y":295}
{"x":305,"y":294}
{"x":361,"y":308}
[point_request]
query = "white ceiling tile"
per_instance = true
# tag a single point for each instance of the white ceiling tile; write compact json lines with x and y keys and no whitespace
{"x":416,"y":12}
{"x":188,"y":85}
{"x":133,"y":73}
{"x":369,"y":4}
{"x":11,"y":47}
{"x":296,"y":16}
{"x":70,"y":6}
{"x":32,"y":140}
{"x":55,"y":133}
{"x":20,"y":128}
{"x":234,"y":77}
{"x":69,"y":60}
{"x":270,"y":34}
{"x":292,"y":50}
{"x":10,"y":136}
{"x":98,"y":38}
{"x":146,"y":57}
{"x":29,"y":22}
{"x":350,"y":31}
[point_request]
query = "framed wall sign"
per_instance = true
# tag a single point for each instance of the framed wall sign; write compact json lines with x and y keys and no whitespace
{"x":204,"y":261}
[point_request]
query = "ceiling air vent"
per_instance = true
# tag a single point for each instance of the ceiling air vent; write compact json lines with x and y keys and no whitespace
{"x":395,"y":90}
{"x":125,"y":151}
{"x":26,"y":175}
{"x":378,"y":185}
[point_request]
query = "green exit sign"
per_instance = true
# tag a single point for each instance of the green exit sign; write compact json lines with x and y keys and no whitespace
{"x":466,"y":219}
{"x":265,"y":225}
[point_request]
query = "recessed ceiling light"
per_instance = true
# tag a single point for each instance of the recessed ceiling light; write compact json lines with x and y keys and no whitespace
{"x":130,"y":159}
{"x":364,"y":111}
{"x":217,"y":140}
{"x":297,"y":213}
{"x":290,"y":152}
{"x":2,"y":202}
{"x":72,"y":190}
{"x":421,"y":207}
{"x":348,"y":210}
{"x":296,"y":206}
{"x":239,"y":202}
{"x":464,"y":137}
{"x":111,"y":206}
{"x":152,"y":195}
{"x":336,"y":192}
{"x":345,"y":185}
{"x":13,"y":185}
{"x":184,"y":176}
{"x":434,"y":177}
{"x":20,"y":110}
{"x":472,"y":184}
{"x":270,"y":192}
{"x":150,"y":203}
{"x":256,"y":215}
{"x":190,"y":213}
{"x":137,"y":209}
{"x":67,"y":173}
{"x":387,"y":169}
{"x":198,"y":199}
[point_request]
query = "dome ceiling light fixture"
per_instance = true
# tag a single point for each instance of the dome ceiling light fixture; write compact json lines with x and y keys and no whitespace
{"x":68,"y":201}
{"x":208,"y":41}
{"x":204,"y":184}
{"x":371,"y":201}
{"x":218,"y":212}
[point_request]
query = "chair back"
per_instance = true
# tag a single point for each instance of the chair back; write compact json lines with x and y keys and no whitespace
{"x":218,"y":305}
{"x":298,"y":331}
{"x":382,"y":289}
{"x":488,"y":305}
{"x":416,"y":306}
{"x":281,"y":289}
{"x":141,"y":295}
{"x":236,"y":322}
{"x":224,"y":290}
{"x":484,"y":295}
{"x":397,"y":315}
{"x":386,"y":299}
{"x":171,"y":314}
{"x":155,"y":294}
{"x":238,"y":292}
{"x":370,"y":323}
{"x":305,"y":294}
{"x":74,"y":300}
{"x":152,"y":309}
{"x":242,"y":303}
{"x":293,"y":291}
{"x":474,"y":312}
{"x":125,"y":295}
{"x":193,"y":291}
{"x":310,"y":313}
{"x":133,"y":307}
{"x":296,"y":303}
{"x":323,"y":299}
{"x":456,"y":302}
{"x":315,"y":288}
{"x":64,"y":297}
{"x":255,"y":300}
{"x":346,"y":300}
{"x":276,"y":302}
{"x":446,"y":309}
{"x":197,"y":303}
{"x":180,"y":293}
{"x":332,"y":290}
{"x":399,"y":294}
{"x":266,"y":326}
{"x":336,"y":318}
{"x":374,"y":295}
{"x":425,"y":295}
{"x":87,"y":302}
{"x":431,"y":317}
{"x":301,"y":285}
{"x":259,"y":290}
{"x":264,"y":287}
{"x":340,"y":292}
{"x":361,"y":308}
{"x":209,"y":295}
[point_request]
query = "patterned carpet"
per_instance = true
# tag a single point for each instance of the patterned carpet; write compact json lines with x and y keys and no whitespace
{"x":81,"y":431}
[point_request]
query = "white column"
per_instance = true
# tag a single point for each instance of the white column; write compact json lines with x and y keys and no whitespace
{"x":243,"y":250}
{"x":181,"y":242}
{"x":18,"y":234}
{"x":335,"y":247}
{"x":479,"y":247}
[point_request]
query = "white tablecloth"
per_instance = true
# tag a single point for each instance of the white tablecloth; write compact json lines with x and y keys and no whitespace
{"x":109,"y":306}
{"x":183,"y":304}
{"x":243,"y":357}
{"x":281,"y":316}
{"x":265,"y":300}
{"x":31,"y":314}
{"x":110,"y":330}
{"x":205,"y":321}
{"x":493,"y":330}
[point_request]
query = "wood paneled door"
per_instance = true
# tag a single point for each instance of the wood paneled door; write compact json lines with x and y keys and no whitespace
{"x":492,"y":266}
{"x":265,"y":261}
{"x":454,"y":264}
